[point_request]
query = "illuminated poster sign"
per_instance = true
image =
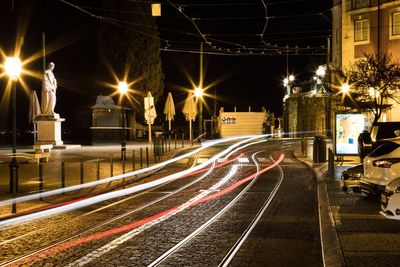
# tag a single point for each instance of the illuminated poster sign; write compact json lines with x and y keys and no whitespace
{"x":348,"y":128}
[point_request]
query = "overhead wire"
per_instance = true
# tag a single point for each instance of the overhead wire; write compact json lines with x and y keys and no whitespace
{"x":213,"y":43}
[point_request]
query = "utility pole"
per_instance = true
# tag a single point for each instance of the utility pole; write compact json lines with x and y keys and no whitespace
{"x":328,"y":83}
{"x":201,"y":87}
{"x":44,"y":51}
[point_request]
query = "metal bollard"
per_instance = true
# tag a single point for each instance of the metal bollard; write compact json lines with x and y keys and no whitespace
{"x":123,"y":165}
{"x":162,"y":146}
{"x":183,"y":136}
{"x":40,"y":181}
{"x":141,"y":158}
{"x":98,"y":169}
{"x":111,"y":165}
{"x":331,"y":163}
{"x":133,"y":161}
{"x":175,"y":141}
{"x":81,"y":171}
{"x":169,"y":143}
{"x":147,"y":156}
{"x":62,"y":174}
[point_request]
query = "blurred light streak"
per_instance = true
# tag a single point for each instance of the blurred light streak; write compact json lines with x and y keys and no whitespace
{"x":119,"y":193}
{"x":135,"y":228}
{"x":126,"y":175}
{"x":141,"y":225}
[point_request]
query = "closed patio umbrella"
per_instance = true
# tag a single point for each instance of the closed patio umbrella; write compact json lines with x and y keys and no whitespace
{"x":190,"y":112}
{"x":169,"y":110}
{"x":34,"y":110}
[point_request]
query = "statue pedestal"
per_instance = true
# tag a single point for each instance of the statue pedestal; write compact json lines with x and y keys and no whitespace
{"x":48,"y":129}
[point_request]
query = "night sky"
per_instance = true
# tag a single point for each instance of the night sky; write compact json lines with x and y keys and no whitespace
{"x":245,"y":76}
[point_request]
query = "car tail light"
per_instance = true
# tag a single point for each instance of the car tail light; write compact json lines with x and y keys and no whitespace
{"x":385,"y":163}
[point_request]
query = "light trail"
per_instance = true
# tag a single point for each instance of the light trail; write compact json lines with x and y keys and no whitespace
{"x":136,"y":228}
{"x":208,"y":171}
{"x":253,"y":143}
{"x":147,"y":224}
{"x":221,"y":212}
{"x":236,"y":247}
{"x":121,"y":176}
{"x":119,"y":193}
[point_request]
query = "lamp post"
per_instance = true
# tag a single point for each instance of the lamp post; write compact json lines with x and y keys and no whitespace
{"x":198,"y":92}
{"x":123,"y":89}
{"x":13,"y":67}
{"x":287,"y":83}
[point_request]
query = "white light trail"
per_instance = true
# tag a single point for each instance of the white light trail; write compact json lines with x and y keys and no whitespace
{"x":119,"y":193}
{"x":122,"y":239}
{"x":121,"y":176}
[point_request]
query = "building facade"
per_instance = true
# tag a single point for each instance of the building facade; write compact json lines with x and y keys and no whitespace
{"x":366,"y":26}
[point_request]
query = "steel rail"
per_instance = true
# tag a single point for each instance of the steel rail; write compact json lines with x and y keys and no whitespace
{"x":236,"y":247}
{"x":117,"y":217}
{"x":190,"y":237}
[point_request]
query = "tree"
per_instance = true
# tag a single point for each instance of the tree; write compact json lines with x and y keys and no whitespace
{"x":129,"y":46}
{"x":375,"y":79}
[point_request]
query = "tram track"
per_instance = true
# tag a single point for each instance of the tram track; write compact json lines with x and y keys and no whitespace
{"x":15,"y":261}
{"x":232,"y":252}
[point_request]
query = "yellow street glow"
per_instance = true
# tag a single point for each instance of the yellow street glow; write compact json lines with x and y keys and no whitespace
{"x":321,"y":71}
{"x":345,"y":88}
{"x":13,"y":67}
{"x":198,"y":92}
{"x":123,"y":87}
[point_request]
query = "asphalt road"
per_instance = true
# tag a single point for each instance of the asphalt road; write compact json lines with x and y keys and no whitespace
{"x":257,"y":207}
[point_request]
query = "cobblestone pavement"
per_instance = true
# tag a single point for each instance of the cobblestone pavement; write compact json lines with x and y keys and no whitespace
{"x":287,"y":234}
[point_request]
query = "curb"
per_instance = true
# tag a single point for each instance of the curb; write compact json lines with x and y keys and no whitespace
{"x":331,"y":249}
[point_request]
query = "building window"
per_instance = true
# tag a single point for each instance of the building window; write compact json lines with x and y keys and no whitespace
{"x":361,"y":30}
{"x":360,"y":3}
{"x":396,"y":23}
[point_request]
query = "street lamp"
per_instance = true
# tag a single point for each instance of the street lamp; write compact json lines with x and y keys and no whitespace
{"x":198,"y":92}
{"x":123,"y":89}
{"x":345,"y":88}
{"x":13,"y":68}
{"x":320,"y":71}
{"x":287,"y":82}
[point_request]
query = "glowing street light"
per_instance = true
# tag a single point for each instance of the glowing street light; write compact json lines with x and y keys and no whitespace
{"x":13,"y":68}
{"x":198,"y":92}
{"x":123,"y":89}
{"x":285,"y":81}
{"x":291,"y":78}
{"x":345,"y":88}
{"x":320,"y":71}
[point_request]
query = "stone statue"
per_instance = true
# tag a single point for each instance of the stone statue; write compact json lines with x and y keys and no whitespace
{"x":49,"y":87}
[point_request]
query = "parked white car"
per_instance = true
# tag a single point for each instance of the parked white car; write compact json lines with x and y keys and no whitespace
{"x":390,"y":200}
{"x":381,"y":167}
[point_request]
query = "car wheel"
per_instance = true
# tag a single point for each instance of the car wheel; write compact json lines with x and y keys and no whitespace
{"x":345,"y":189}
